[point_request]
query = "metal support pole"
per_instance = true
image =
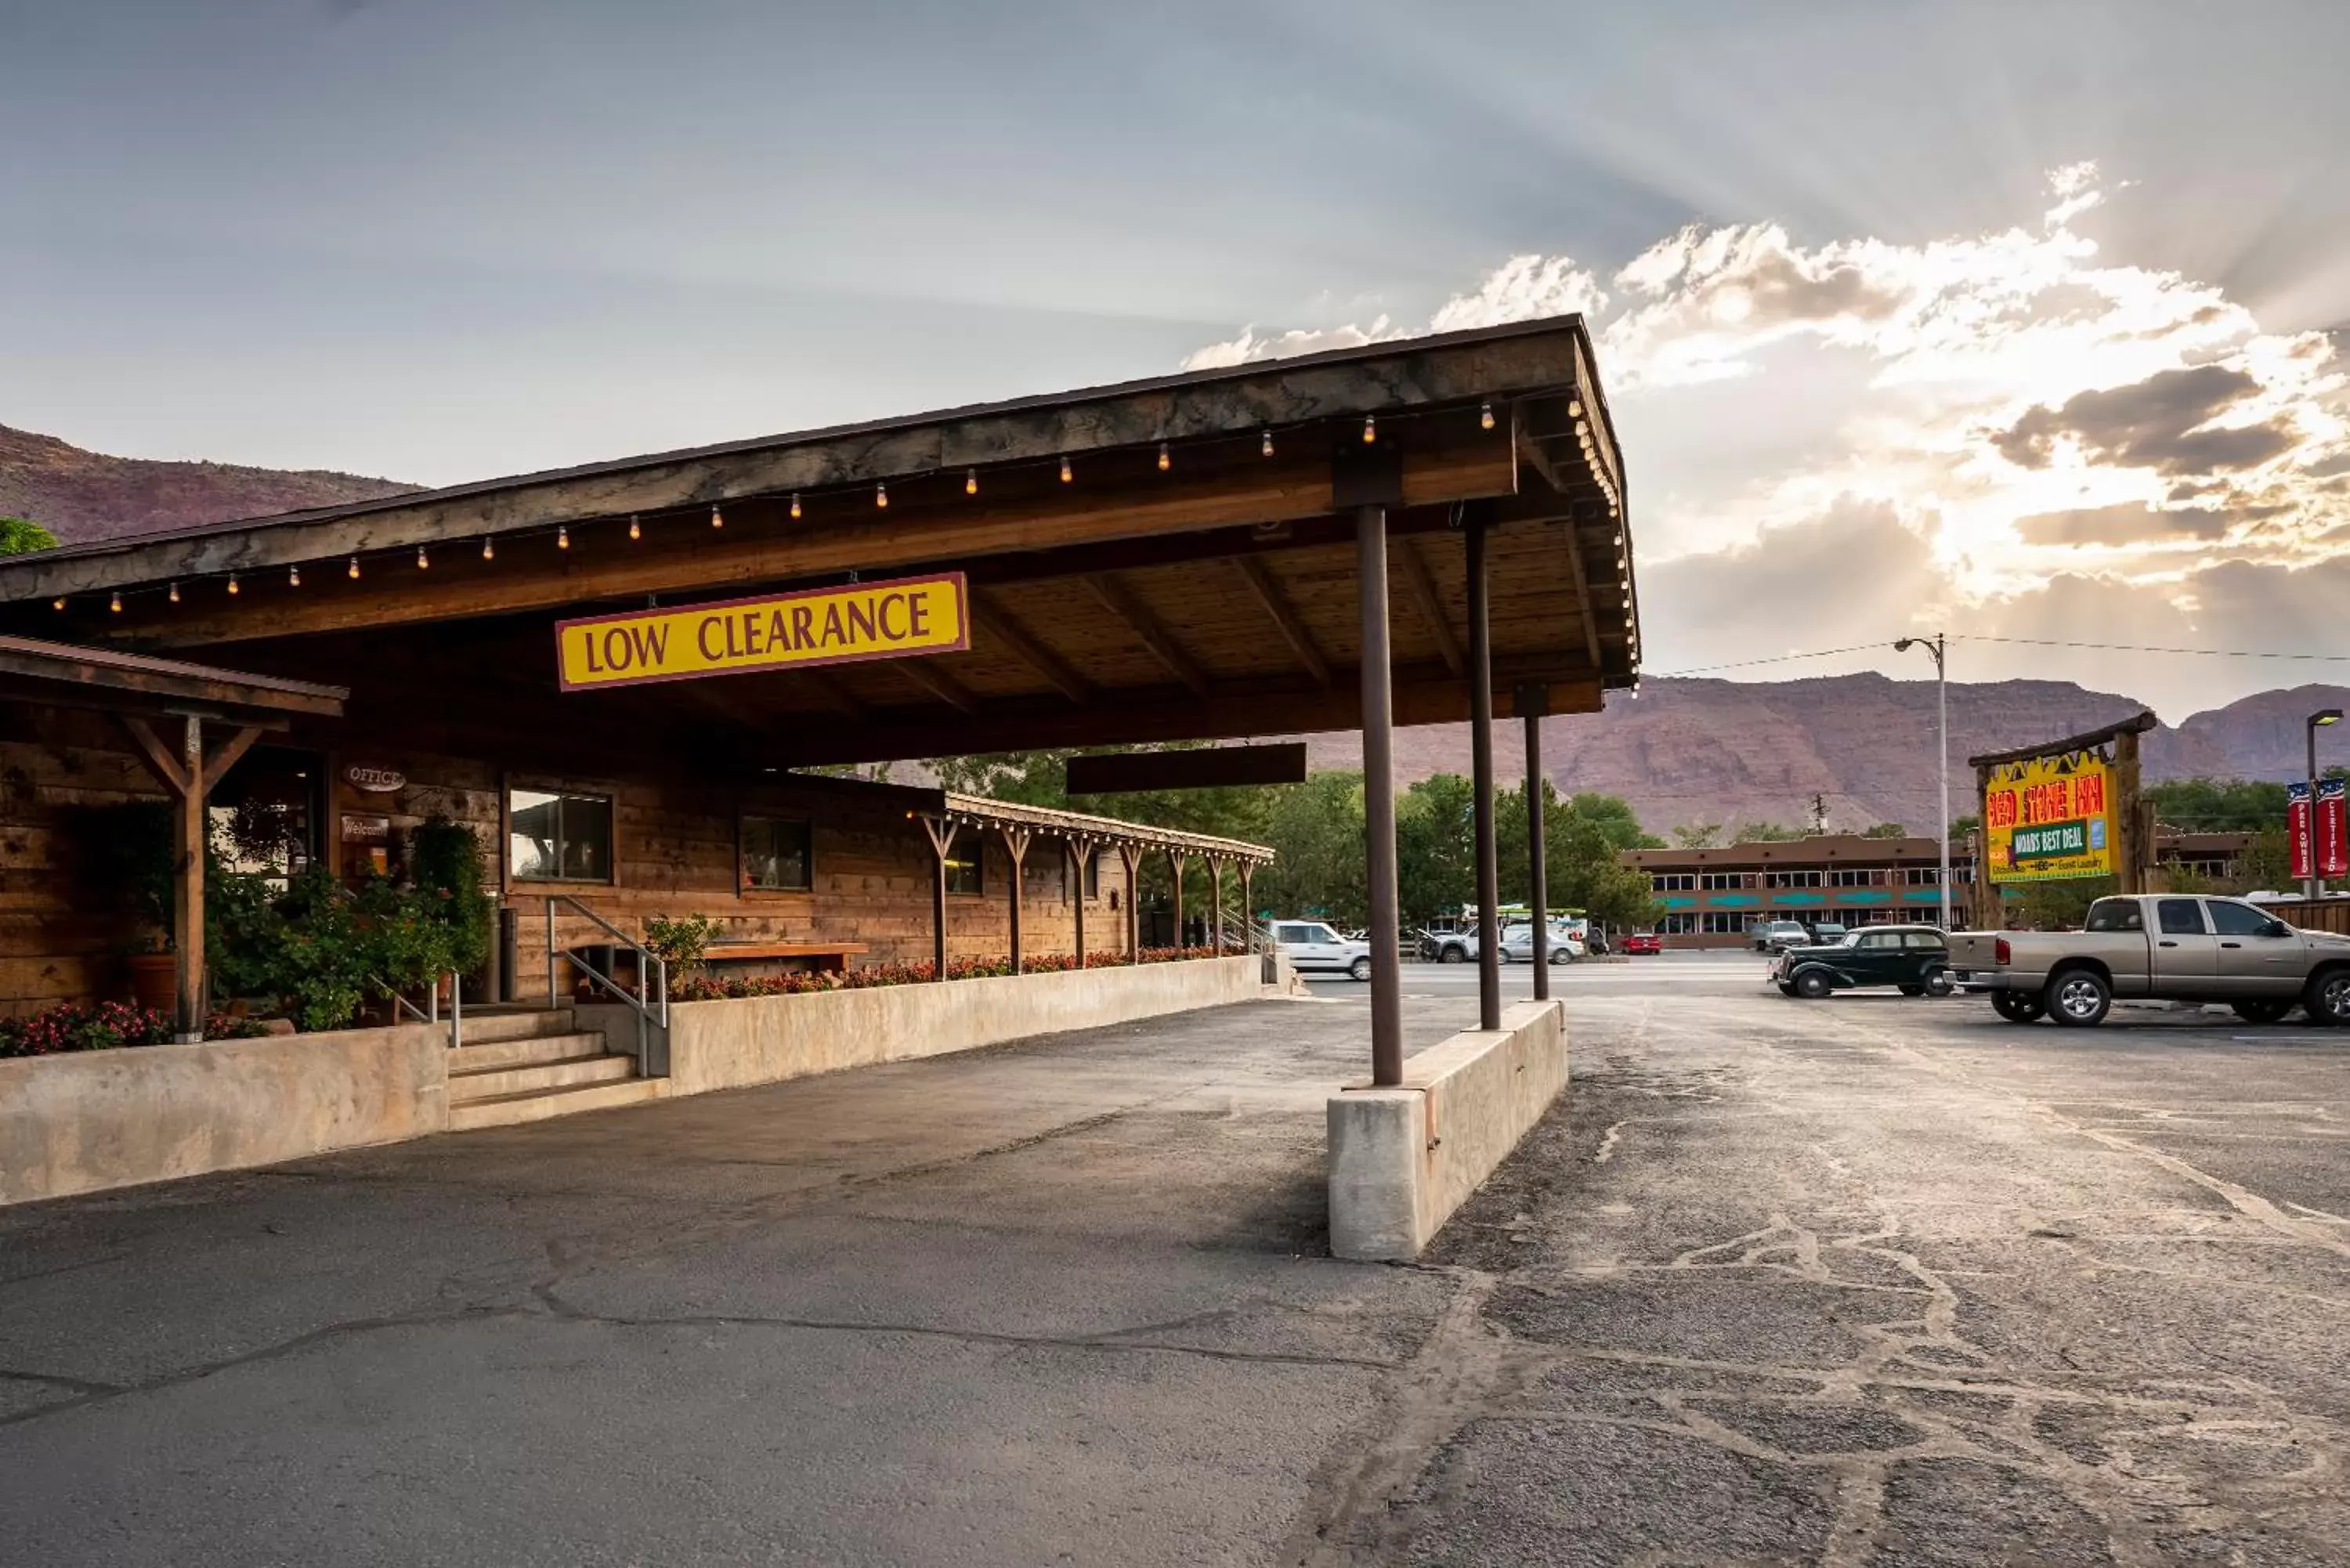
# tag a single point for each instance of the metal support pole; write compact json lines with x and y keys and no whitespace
{"x":1378,"y":798}
{"x":1942,"y":750}
{"x":1531,"y":701}
{"x":2312,"y":888}
{"x":553,"y":994}
{"x":1481,"y":775}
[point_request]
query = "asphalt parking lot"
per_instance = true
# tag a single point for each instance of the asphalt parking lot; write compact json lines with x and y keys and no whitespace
{"x":1866,"y":1281}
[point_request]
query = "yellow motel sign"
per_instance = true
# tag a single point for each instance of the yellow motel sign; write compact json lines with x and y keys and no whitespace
{"x":2049,"y":819}
{"x":895,"y":620}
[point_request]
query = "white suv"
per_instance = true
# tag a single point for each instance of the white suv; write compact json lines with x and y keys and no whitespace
{"x":1777,"y":936}
{"x":1311,"y":945}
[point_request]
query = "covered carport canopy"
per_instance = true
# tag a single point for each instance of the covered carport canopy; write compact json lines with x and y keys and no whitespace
{"x":1403,"y":531}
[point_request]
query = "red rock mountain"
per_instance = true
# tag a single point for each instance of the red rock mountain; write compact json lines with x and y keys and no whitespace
{"x":84,"y":495}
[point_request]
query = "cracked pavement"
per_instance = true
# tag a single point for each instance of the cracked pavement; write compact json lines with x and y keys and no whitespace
{"x":1867,"y":1281}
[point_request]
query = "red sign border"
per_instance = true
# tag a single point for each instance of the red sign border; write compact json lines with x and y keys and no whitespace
{"x":961,"y":645}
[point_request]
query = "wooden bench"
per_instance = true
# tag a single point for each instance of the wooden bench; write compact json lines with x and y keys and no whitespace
{"x":820,"y":955}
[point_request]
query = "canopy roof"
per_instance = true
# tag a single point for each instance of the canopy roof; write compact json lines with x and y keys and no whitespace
{"x":1169,"y":558}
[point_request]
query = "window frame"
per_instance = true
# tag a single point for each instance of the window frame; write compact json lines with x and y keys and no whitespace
{"x":744,"y":885}
{"x":559,"y":791}
{"x":976,"y":859}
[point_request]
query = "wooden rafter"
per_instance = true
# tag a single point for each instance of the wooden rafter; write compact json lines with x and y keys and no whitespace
{"x":938,"y":683}
{"x":1417,"y":577}
{"x":1284,"y":617}
{"x":1582,"y":605}
{"x":1120,"y":602}
{"x":1000,"y":625}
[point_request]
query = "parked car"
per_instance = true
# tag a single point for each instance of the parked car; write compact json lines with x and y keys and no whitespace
{"x":1643,"y":942}
{"x":1776,"y":935}
{"x":1518,"y":944}
{"x":1827,"y":933}
{"x":2164,"y":946}
{"x":1913,"y":958}
{"x":1311,"y":945}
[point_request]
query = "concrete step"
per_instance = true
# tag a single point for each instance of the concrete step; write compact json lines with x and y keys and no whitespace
{"x":522,"y":1050}
{"x":481,"y":1028}
{"x":507,"y":1110}
{"x":490,"y":1084}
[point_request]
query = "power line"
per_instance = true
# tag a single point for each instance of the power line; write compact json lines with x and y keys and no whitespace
{"x":1780,"y":658}
{"x":2019,"y":641}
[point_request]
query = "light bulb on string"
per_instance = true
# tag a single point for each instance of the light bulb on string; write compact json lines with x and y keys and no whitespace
{"x":59,"y":603}
{"x":423,"y":562}
{"x":563,"y":536}
{"x":1165,"y":461}
{"x":881,"y":495}
{"x":796,"y":505}
{"x":1575,"y":408}
{"x":1266,"y":446}
{"x":635,"y":529}
{"x":1370,"y":430}
{"x":114,"y":604}
{"x":292,"y":577}
{"x":1066,"y":474}
{"x":232,"y":582}
{"x":489,"y":551}
{"x":354,"y":573}
{"x":175,"y":593}
{"x":717,"y":520}
{"x":971,"y":481}
{"x":1485,"y":417}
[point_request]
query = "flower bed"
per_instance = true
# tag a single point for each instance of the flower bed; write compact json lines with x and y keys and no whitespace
{"x":105,"y":1027}
{"x":710,"y":988}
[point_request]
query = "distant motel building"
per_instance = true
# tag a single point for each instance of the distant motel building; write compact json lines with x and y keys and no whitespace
{"x":1711,"y":897}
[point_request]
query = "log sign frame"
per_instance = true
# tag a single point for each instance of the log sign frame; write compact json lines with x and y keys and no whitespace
{"x":905,"y":616}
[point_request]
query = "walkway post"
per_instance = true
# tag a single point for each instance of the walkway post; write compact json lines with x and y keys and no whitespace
{"x":942,"y":835}
{"x":1531,"y":701}
{"x":1378,"y":798}
{"x":1480,"y":771}
{"x":1015,"y":850}
{"x":1175,"y":859}
{"x":1080,"y":851}
{"x":1248,"y":902}
{"x":1132,"y":858}
{"x":1216,"y":891}
{"x":189,"y":831}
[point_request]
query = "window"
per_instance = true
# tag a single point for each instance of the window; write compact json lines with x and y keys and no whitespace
{"x":2233,"y":919}
{"x":555,"y":837}
{"x":2115,"y":915}
{"x":1791,"y":879}
{"x":1854,"y":876}
{"x":1877,"y":941}
{"x":1724,"y":881}
{"x":1923,"y":939}
{"x":1922,"y":875}
{"x":962,"y":866}
{"x":776,"y":855}
{"x":2182,"y":917}
{"x":1294,"y":934}
{"x":1093,"y":865}
{"x":1723,"y":922}
{"x":1673,"y":882}
{"x":1677,"y":925}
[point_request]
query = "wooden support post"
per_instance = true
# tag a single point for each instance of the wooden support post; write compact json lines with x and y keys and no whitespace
{"x":1132,"y":858}
{"x":2134,"y":851}
{"x":1379,"y":794}
{"x":1989,"y":908}
{"x":1081,"y":854}
{"x":942,"y":835}
{"x":1248,"y":902}
{"x":1175,"y":860}
{"x":1015,"y":849}
{"x":189,"y":776}
{"x":1481,"y":772}
{"x":1216,"y":892}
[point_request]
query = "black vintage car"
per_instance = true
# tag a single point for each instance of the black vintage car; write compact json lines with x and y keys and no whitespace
{"x":1913,"y":958}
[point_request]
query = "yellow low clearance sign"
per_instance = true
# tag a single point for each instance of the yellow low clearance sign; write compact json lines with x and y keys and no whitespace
{"x":909,"y":616}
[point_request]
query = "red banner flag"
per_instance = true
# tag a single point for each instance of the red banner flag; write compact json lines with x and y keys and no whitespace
{"x":2300,"y":832}
{"x":2332,"y":830}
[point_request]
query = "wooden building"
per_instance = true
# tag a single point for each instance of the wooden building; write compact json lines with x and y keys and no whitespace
{"x":1427,"y":530}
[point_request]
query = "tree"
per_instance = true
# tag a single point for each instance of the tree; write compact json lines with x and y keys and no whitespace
{"x":1697,"y":836}
{"x":1436,"y":848}
{"x":1766,"y":833}
{"x":1616,"y":818}
{"x":22,"y":536}
{"x":2219,"y":806}
{"x":1315,"y":832}
{"x":1884,"y":830}
{"x":1584,"y":839}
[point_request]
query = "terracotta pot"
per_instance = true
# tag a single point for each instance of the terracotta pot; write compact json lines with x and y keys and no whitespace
{"x":155,"y":980}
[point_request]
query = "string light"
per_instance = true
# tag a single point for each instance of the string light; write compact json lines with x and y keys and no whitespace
{"x":114,"y":604}
{"x":717,"y":520}
{"x":1575,"y":408}
{"x":971,"y":481}
{"x":1485,"y":416}
{"x":232,"y":587}
{"x":881,"y":495}
{"x":423,"y":562}
{"x":563,"y":537}
{"x":1165,"y":461}
{"x":1065,"y":474}
{"x":175,"y":593}
{"x":292,"y":577}
{"x":635,"y":529}
{"x":1266,"y":446}
{"x":796,"y":505}
{"x":489,"y":551}
{"x":1370,"y":430}
{"x":354,"y":573}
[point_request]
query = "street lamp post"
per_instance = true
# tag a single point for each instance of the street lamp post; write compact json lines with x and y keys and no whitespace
{"x":2315,"y":885}
{"x":1942,"y":752}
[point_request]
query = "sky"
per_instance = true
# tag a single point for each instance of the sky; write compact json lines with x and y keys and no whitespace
{"x":2012,"y":321}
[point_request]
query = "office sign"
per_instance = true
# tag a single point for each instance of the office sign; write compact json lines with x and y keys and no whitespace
{"x":2049,"y":819}
{"x":904,"y":617}
{"x":2300,"y":832}
{"x":2333,"y":828}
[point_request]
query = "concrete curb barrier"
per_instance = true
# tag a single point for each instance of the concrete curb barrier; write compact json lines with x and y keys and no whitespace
{"x":1402,"y":1160}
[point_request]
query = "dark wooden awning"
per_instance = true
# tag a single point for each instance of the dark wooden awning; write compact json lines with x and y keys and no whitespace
{"x":64,"y":675}
{"x":1194,"y":576}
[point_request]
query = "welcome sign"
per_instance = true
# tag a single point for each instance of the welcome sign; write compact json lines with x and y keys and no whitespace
{"x":896,"y":619}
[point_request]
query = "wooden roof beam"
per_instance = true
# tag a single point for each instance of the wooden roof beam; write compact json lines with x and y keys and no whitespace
{"x":1119,"y":602}
{"x":999,"y":624}
{"x":1422,"y":585}
{"x":1284,"y":617}
{"x":938,"y":683}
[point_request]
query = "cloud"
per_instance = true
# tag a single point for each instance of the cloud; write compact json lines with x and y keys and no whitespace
{"x":1965,"y":431}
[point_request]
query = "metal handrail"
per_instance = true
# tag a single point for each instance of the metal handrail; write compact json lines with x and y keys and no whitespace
{"x":649,"y":1002}
{"x":431,"y":1011}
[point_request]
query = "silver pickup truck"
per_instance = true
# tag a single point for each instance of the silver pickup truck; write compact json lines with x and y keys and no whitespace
{"x":2166,"y":946}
